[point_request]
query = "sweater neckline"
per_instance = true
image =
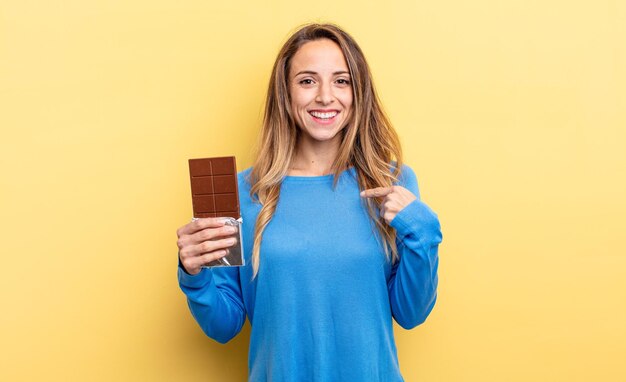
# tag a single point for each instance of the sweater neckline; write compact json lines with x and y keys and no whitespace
{"x":314,"y":179}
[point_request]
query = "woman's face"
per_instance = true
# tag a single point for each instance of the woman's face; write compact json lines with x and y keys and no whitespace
{"x":321,"y":91}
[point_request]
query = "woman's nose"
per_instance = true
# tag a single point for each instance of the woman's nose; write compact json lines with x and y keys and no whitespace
{"x":325,"y":94}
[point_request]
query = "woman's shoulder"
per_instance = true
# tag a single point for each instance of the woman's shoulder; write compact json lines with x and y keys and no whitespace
{"x":406,"y":177}
{"x":243,"y":178}
{"x":244,"y":173}
{"x":406,"y":172}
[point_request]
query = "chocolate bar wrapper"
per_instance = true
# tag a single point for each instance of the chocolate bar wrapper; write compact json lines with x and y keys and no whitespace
{"x":235,"y":257}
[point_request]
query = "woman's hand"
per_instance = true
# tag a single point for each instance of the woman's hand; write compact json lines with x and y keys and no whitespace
{"x":394,"y":199}
{"x":203,"y":241}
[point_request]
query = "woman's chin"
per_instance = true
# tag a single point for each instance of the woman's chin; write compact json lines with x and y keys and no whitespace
{"x":321,"y":137}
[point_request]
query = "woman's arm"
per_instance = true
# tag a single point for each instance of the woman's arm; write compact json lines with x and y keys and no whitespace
{"x":215,"y":300}
{"x":214,"y":295}
{"x":413,"y":282}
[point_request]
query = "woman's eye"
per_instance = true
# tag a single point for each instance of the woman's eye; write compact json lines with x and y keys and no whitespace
{"x":306,"y":81}
{"x":343,"y":81}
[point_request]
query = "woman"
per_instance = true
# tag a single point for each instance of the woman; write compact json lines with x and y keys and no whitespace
{"x":336,"y":239}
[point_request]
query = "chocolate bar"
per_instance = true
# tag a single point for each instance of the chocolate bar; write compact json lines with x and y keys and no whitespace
{"x":214,"y":190}
{"x":214,"y":194}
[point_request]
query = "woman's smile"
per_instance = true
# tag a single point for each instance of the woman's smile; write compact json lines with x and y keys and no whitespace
{"x":324,"y":117}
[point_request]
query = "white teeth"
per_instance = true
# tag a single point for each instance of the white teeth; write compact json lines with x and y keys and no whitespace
{"x":323,"y":115}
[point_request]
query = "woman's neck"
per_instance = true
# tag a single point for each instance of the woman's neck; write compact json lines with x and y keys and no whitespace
{"x":313,"y":159}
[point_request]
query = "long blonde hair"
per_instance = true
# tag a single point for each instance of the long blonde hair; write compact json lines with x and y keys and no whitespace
{"x":369,"y":142}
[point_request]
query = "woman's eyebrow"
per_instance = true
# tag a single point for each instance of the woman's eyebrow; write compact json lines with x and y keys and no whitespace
{"x":313,"y":72}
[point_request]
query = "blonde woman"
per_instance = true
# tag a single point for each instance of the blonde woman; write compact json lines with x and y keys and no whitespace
{"x":337,"y":241}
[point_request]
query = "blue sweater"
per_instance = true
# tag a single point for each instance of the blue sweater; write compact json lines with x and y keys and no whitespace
{"x":321,"y":306}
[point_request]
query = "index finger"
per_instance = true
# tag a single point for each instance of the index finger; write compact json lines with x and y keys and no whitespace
{"x":376,"y":192}
{"x":199,"y":224}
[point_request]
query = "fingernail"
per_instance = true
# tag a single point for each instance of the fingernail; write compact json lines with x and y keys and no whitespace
{"x":232,"y":241}
{"x":362,"y":193}
{"x":227,"y":220}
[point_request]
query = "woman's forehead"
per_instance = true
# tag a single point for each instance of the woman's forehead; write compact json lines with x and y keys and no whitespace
{"x":322,"y":56}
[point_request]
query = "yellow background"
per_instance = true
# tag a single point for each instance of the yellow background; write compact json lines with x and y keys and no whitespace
{"x":512,"y":114}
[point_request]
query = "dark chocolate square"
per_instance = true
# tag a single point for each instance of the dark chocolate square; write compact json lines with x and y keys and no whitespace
{"x":202,"y":185}
{"x":224,"y":184}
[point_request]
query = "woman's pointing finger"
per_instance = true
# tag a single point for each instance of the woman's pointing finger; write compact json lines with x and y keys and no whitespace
{"x":376,"y":192}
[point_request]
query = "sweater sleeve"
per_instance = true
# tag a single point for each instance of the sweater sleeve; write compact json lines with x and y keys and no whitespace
{"x":215,"y":300}
{"x":413,"y":281}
